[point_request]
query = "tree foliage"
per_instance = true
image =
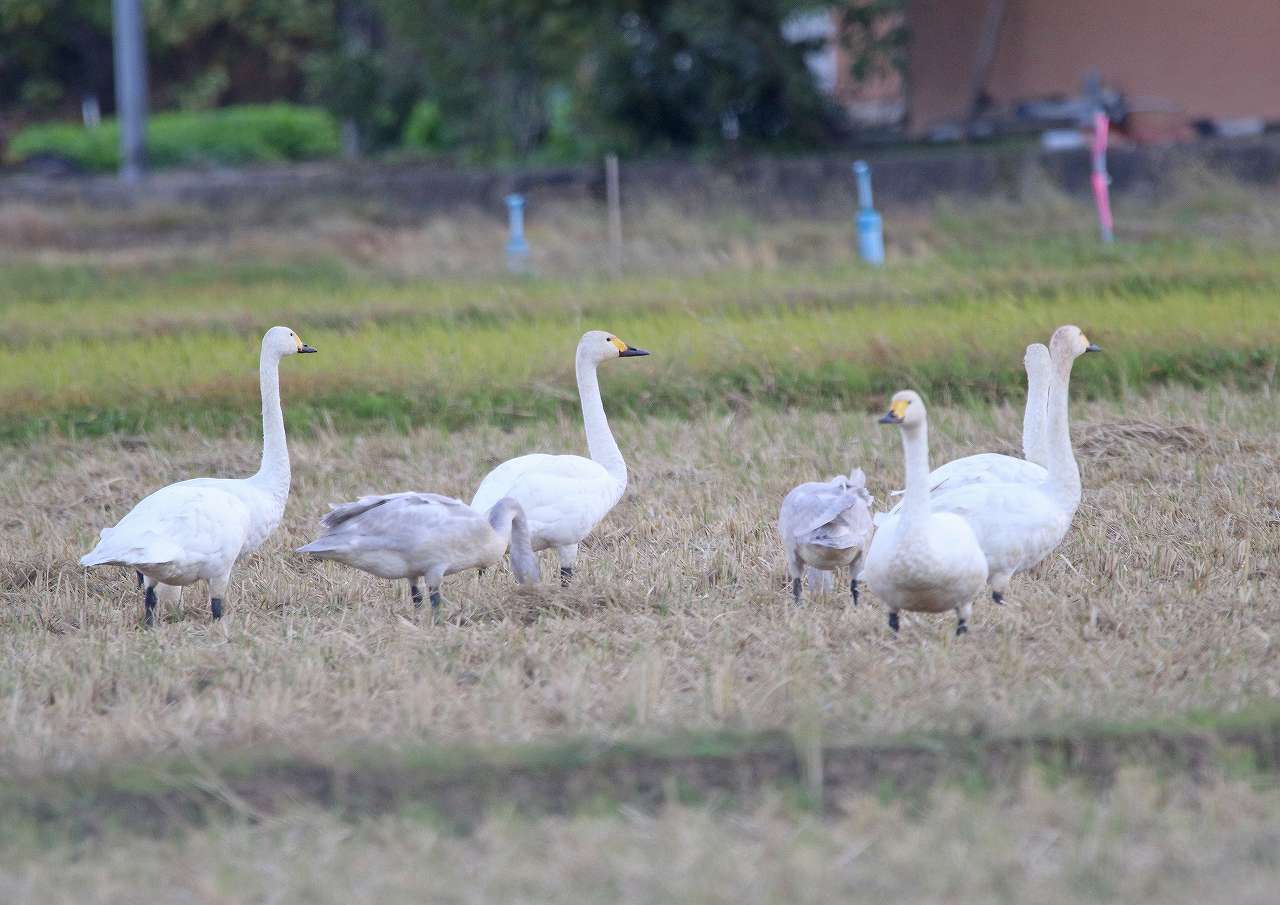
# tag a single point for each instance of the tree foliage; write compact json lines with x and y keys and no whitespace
{"x":504,"y":79}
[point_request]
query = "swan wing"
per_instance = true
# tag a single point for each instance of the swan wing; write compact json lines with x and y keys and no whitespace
{"x":344,"y":512}
{"x":834,"y":513}
{"x":188,"y":526}
{"x":983,"y":468}
{"x":399,"y":523}
{"x":1016,"y":524}
{"x":563,"y":497}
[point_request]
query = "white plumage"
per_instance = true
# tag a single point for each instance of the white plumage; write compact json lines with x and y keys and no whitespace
{"x":197,"y":530}
{"x":424,"y":536}
{"x":1019,"y":523}
{"x":921,"y":559}
{"x":988,"y":467}
{"x":564,"y":497}
{"x":997,"y":466}
{"x":825,"y":525}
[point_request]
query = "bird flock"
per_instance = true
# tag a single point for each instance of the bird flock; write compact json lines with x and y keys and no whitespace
{"x":970,"y":524}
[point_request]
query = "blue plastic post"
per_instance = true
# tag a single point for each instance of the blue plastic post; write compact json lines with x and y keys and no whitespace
{"x":517,"y":247}
{"x":870,"y":228}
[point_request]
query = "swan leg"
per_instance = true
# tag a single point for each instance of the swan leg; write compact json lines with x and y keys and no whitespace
{"x":795,"y":571}
{"x":149,"y":604}
{"x":415,"y":592}
{"x":433,"y":579}
{"x":853,"y":590}
{"x":962,"y":618}
{"x":999,"y":587}
{"x":153,"y":595}
{"x":568,"y":557}
{"x":217,"y":593}
{"x":893,"y":621}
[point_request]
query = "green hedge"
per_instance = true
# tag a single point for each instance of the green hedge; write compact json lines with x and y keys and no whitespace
{"x":232,"y":135}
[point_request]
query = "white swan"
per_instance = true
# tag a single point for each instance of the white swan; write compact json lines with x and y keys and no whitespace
{"x":923,"y":560}
{"x":997,"y":466}
{"x":565,"y":497}
{"x":424,"y":536}
{"x":197,"y":530}
{"x":1018,"y":523}
{"x":825,"y":525}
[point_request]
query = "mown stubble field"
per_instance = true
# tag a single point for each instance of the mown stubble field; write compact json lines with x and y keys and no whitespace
{"x":1156,"y":616}
{"x":1159,"y":601}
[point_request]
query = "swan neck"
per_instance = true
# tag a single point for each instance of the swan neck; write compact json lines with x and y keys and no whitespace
{"x":1033,"y":419}
{"x":1064,"y":474}
{"x":915,"y":452}
{"x":601,"y":446}
{"x":501,"y":517}
{"x":507,"y":520}
{"x":274,"y":472}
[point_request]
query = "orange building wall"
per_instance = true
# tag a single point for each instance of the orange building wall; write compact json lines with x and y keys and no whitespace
{"x":1203,"y":58}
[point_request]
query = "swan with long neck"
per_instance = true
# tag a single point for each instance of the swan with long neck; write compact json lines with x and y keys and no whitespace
{"x":1019,"y":523}
{"x":987,"y":467}
{"x":422,"y":537}
{"x":197,"y":530}
{"x":564,"y":496}
{"x":923,"y":560}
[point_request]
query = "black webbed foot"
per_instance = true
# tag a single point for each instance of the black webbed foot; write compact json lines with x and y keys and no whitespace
{"x":961,"y":628}
{"x":566,"y":576}
{"x":998,"y":597}
{"x":893,"y":622}
{"x":853,"y":590}
{"x":215,"y":605}
{"x":415,"y":592}
{"x":795,"y":589}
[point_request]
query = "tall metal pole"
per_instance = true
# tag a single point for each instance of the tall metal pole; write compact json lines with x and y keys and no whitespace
{"x":131,"y":86}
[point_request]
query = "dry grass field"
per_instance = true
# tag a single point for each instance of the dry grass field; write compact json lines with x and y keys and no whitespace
{"x":1158,"y":603}
{"x":1158,"y":615}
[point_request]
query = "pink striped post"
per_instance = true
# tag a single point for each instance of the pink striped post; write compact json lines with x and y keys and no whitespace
{"x":1102,"y":181}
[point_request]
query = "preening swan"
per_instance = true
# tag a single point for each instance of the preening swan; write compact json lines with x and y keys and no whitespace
{"x":998,"y":467}
{"x":825,"y":525}
{"x":424,"y":537}
{"x":1018,"y":523}
{"x":197,"y":530}
{"x":565,"y":497}
{"x":920,"y":559}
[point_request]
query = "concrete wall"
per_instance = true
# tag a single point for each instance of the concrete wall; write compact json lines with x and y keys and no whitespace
{"x":1206,"y":59}
{"x":767,"y":185}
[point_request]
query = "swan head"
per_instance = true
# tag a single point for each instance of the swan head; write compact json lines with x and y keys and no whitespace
{"x":597,"y":346}
{"x":906,"y":408}
{"x":281,"y":341}
{"x":1069,"y":343}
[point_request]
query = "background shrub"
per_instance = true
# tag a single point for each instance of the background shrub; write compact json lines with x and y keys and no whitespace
{"x":232,"y":135}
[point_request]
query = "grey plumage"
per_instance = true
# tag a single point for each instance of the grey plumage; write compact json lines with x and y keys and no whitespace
{"x":825,"y":525}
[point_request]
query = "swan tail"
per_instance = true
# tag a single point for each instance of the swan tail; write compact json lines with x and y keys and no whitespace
{"x":144,"y":553}
{"x":319,"y":547}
